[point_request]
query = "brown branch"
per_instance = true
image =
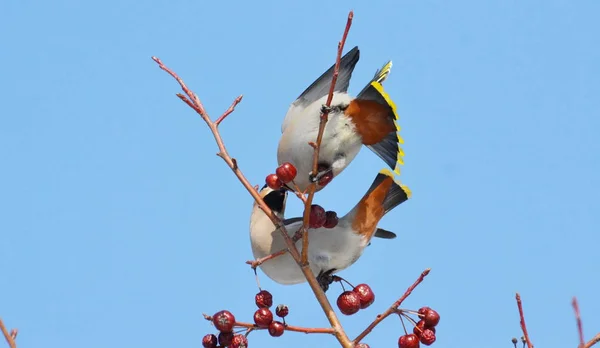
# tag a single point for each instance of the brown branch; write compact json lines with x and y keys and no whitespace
{"x":9,"y":337}
{"x":307,"y":330}
{"x":593,"y":341}
{"x":523,"y":325}
{"x":193,"y":101}
{"x":324,"y":117}
{"x":578,"y":319}
{"x":392,"y":308}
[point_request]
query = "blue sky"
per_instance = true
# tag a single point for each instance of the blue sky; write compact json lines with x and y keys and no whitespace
{"x":120,"y":226}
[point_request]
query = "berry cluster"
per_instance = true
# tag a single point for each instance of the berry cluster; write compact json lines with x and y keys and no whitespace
{"x":286,"y":173}
{"x":283,"y":174}
{"x":351,"y":301}
{"x":424,"y":330}
{"x":321,"y":218}
{"x":263,"y":317}
{"x":224,"y":322}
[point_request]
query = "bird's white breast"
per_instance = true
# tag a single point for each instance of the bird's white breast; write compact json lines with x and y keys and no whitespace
{"x":301,"y":126}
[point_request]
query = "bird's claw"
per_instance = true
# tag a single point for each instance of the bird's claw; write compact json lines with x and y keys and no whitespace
{"x":325,"y":279}
{"x":326,"y":109}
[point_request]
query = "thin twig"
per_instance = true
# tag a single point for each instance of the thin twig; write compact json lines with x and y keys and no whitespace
{"x":593,"y":341}
{"x":578,"y":319}
{"x":193,"y":101}
{"x":9,"y":338}
{"x":229,"y":110}
{"x":523,"y":325}
{"x":312,"y":187}
{"x":307,"y":330}
{"x":260,"y":261}
{"x":392,"y":308}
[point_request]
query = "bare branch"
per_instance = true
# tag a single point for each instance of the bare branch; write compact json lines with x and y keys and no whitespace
{"x":229,"y":110}
{"x":593,"y":341}
{"x":10,"y":337}
{"x":523,"y":325}
{"x":578,"y":319}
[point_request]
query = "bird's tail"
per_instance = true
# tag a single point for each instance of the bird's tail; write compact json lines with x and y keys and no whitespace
{"x":384,"y":195}
{"x":388,"y":149}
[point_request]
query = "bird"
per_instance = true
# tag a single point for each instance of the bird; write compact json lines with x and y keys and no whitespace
{"x":330,"y":250}
{"x":369,"y":119}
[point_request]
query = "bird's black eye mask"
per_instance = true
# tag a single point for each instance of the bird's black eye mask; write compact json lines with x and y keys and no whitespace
{"x":275,"y":200}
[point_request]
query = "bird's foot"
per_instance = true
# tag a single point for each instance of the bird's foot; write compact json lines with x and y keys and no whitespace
{"x":325,"y":279}
{"x":331,"y":109}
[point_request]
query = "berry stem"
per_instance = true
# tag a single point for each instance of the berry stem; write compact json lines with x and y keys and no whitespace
{"x":523,"y":325}
{"x":340,"y":279}
{"x":308,"y":330}
{"x":402,"y":321}
{"x":409,"y":311}
{"x":392,"y":308}
{"x":402,"y":313}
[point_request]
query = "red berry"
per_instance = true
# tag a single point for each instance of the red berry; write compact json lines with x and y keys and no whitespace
{"x":348,"y":302}
{"x":263,"y":317}
{"x":209,"y":341}
{"x":365,"y":294}
{"x":408,"y":341}
{"x":428,"y":337}
{"x":224,"y":321}
{"x":225,"y":338}
{"x":273,"y":181}
{"x":276,"y":329}
{"x":423,"y":310}
{"x":282,"y":311}
{"x":420,"y":327}
{"x":263,"y":299}
{"x":286,"y":172}
{"x":325,"y":179}
{"x":362,"y":345}
{"x":432,"y":318}
{"x":317,"y":216}
{"x":331,"y":219}
{"x":239,"y":341}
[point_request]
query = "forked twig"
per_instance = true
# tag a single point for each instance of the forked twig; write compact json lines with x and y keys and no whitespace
{"x":392,"y":308}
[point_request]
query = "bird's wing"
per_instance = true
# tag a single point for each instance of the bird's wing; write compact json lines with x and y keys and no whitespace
{"x":320,"y":87}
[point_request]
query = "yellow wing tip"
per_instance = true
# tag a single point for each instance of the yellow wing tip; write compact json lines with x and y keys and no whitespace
{"x":379,"y":87}
{"x":386,"y":172}
{"x":406,"y":190}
